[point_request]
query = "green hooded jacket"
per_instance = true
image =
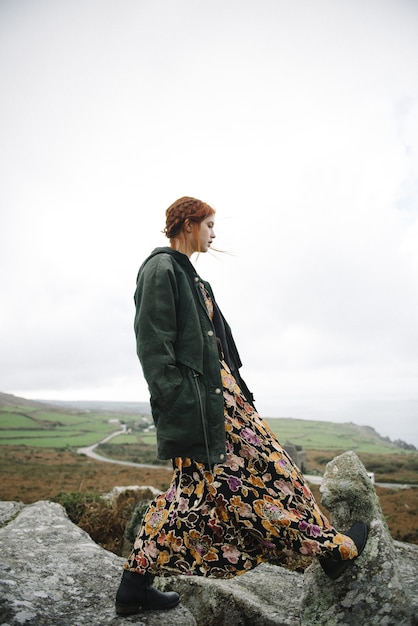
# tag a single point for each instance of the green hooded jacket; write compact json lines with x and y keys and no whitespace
{"x":178,"y":347}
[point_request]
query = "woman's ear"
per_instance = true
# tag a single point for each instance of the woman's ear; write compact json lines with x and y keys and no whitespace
{"x":187,"y":225}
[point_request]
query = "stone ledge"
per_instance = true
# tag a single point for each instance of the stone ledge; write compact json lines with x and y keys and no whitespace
{"x":52,"y":573}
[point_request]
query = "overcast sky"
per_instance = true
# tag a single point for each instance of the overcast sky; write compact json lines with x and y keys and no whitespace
{"x":296,"y":120}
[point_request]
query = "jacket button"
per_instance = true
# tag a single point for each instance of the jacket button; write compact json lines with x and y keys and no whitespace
{"x":196,"y":279}
{"x":221,"y":456}
{"x":217,"y":390}
{"x":210,"y":333}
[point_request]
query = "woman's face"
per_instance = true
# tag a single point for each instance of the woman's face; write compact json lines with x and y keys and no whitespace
{"x":206,"y":234}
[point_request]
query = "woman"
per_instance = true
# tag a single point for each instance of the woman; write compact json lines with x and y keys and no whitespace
{"x":236,"y":499}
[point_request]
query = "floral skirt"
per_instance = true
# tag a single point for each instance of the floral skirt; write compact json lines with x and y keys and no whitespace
{"x":224,"y":521}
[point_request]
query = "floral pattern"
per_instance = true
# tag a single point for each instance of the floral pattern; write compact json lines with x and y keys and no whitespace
{"x":223,"y":522}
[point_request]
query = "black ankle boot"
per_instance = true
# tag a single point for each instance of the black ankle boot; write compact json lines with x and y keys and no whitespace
{"x":358,"y":533}
{"x":136,"y":592}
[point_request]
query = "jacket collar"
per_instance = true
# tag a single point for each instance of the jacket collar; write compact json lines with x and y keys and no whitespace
{"x":182,"y":259}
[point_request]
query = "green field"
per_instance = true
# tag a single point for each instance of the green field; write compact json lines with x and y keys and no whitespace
{"x":24,"y":422}
{"x":128,"y":438}
{"x":316,"y":435}
{"x":32,"y":425}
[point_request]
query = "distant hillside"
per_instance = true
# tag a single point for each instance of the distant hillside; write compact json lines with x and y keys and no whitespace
{"x":46,"y":424}
{"x":107,"y":406}
{"x":50,"y":423}
{"x":320,"y":435}
{"x":8,"y":400}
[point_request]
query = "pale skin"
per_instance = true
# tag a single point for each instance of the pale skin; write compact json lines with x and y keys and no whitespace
{"x":201,"y":243}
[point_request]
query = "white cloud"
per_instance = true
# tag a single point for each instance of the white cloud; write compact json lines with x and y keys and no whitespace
{"x":297,"y":121}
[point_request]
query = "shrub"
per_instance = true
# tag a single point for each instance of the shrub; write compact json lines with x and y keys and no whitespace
{"x":75,"y":503}
{"x":96,"y":516}
{"x":135,"y":522}
{"x":109,"y":523}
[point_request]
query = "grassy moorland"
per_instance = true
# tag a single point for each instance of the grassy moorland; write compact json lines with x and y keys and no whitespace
{"x":319,"y":435}
{"x":39,"y":460}
{"x":36,"y":424}
{"x":64,"y":427}
{"x":33,"y":474}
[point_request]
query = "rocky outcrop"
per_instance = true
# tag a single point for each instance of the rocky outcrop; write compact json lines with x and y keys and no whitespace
{"x":52,"y":573}
{"x":379,"y":588}
{"x":297,"y":454}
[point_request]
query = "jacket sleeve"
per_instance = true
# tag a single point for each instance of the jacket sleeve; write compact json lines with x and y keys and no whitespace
{"x":156,"y":327}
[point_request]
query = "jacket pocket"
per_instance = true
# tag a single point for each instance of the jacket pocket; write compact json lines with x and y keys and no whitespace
{"x":180,"y":419}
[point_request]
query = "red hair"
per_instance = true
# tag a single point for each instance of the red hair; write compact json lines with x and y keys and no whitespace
{"x":182,"y":209}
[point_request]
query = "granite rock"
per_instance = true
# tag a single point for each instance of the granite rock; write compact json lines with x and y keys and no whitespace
{"x":52,"y":573}
{"x":376,"y":589}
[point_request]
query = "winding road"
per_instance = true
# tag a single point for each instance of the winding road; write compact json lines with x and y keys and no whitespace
{"x":89,"y":451}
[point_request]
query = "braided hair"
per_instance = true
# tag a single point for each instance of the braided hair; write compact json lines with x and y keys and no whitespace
{"x":185,"y":208}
